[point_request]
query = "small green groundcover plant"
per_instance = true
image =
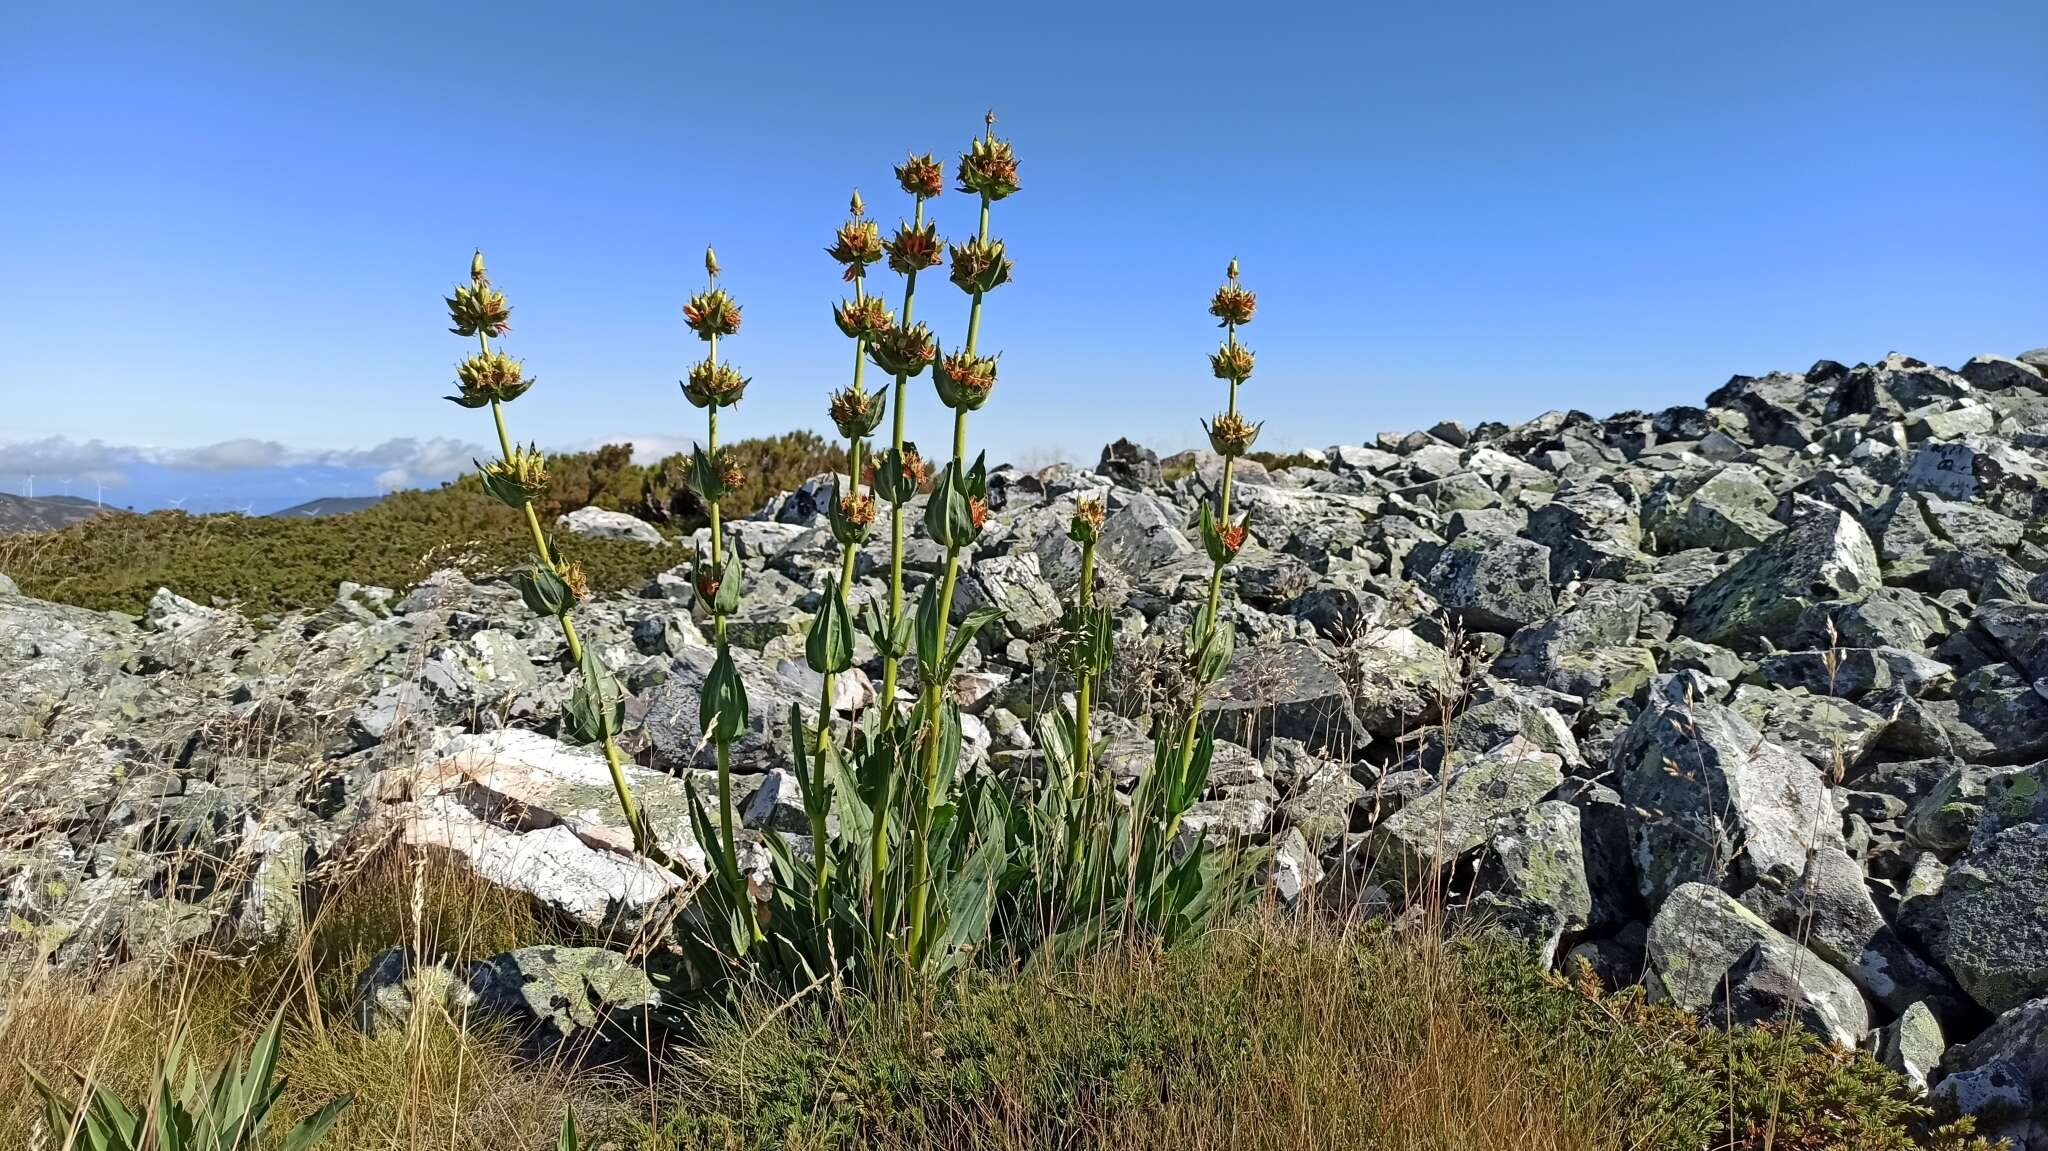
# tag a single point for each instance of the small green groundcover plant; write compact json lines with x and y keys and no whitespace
{"x":226,"y":1111}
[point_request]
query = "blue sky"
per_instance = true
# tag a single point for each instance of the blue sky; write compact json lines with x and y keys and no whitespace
{"x":234,"y":223}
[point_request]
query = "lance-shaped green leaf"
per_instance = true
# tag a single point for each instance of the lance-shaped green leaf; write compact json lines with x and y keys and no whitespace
{"x":814,"y":781}
{"x":705,"y":476}
{"x":949,"y":513}
{"x":964,"y":633}
{"x":722,"y":705}
{"x":893,"y":481}
{"x":890,"y":635}
{"x":544,"y":590}
{"x":596,"y":710}
{"x":829,"y":647}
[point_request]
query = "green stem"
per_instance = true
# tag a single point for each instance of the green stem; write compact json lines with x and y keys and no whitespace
{"x":629,"y":808}
{"x":1084,"y":690}
{"x":1215,"y":602}
{"x":890,"y":670}
{"x":935,"y":693}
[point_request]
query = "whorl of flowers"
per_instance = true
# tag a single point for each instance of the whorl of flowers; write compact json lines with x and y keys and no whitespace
{"x":914,"y":248}
{"x":572,"y":576}
{"x":864,"y":318}
{"x":980,"y":266}
{"x":477,"y":306}
{"x":712,"y":313}
{"x":858,"y":243}
{"x":903,"y":351}
{"x":714,"y":385}
{"x":1086,"y":526}
{"x":922,"y":176}
{"x":1233,"y":303}
{"x":977,"y":511}
{"x":988,"y":168}
{"x":1232,"y":361}
{"x":857,"y":509}
{"x":1231,"y":435}
{"x":964,"y":381}
{"x":524,"y":473}
{"x":489,"y":376}
{"x":856,"y":412}
{"x":730,"y":474}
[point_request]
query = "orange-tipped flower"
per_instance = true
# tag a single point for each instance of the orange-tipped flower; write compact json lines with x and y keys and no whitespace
{"x":863,"y":319}
{"x":964,"y":381}
{"x":988,"y":168}
{"x":977,"y":511}
{"x":1233,"y":536}
{"x":922,"y":176}
{"x":1232,"y":362}
{"x":578,"y":583}
{"x":730,"y":474}
{"x":858,"y":244}
{"x":712,"y":313}
{"x":913,"y":249}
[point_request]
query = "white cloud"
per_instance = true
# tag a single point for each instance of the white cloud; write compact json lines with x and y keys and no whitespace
{"x":396,"y":462}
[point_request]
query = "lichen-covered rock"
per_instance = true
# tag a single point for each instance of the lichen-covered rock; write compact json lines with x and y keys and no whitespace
{"x":1455,"y":817}
{"x":1993,"y":934}
{"x":1703,"y":940}
{"x":1826,"y":557}
{"x":1490,"y":584}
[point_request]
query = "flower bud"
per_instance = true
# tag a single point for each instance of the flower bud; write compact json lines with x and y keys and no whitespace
{"x":714,"y":385}
{"x":478,"y":307}
{"x":1233,"y":305}
{"x":1232,"y":270}
{"x":489,"y":376}
{"x":863,"y":319}
{"x":921,"y":176}
{"x":857,"y":205}
{"x":913,"y":249}
{"x":1232,"y":361}
{"x":858,"y":244}
{"x":965,"y":380}
{"x":477,"y":275}
{"x":710,"y":261}
{"x":1086,"y":526}
{"x":903,"y":351}
{"x":979,"y":266}
{"x":712,"y":313}
{"x":1231,"y":436}
{"x":988,"y":169}
{"x":857,"y":412}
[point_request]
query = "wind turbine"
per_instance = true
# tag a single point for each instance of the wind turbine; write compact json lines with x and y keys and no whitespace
{"x":31,"y":485}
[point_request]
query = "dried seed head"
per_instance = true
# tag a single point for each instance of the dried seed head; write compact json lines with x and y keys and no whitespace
{"x":988,"y":169}
{"x":1231,"y":436}
{"x":572,"y":575}
{"x":1086,"y":526}
{"x":964,"y":380}
{"x":921,"y":176}
{"x":489,"y":376}
{"x":1233,"y":305}
{"x":903,"y":351}
{"x":857,"y":509}
{"x":712,"y":313}
{"x":858,"y":244}
{"x":864,"y":318}
{"x":714,"y":385}
{"x":913,"y":249}
{"x":980,"y":266}
{"x":1232,"y":362}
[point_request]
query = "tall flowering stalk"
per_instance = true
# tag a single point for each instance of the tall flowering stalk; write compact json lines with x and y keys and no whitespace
{"x":1086,"y":650}
{"x":552,"y":587}
{"x":856,"y":412}
{"x":1211,"y":639}
{"x":901,"y":349}
{"x":722,"y":706}
{"x":958,"y":506}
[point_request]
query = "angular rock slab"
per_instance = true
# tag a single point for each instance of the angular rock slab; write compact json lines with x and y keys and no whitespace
{"x":1702,"y":939}
{"x":1825,"y":557}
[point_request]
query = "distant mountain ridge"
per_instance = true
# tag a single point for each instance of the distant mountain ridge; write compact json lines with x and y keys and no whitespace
{"x":329,"y":506}
{"x":23,"y":514}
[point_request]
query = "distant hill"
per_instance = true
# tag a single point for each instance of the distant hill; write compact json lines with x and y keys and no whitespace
{"x":21,"y":514}
{"x":329,"y":506}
